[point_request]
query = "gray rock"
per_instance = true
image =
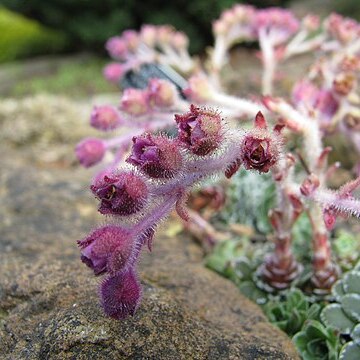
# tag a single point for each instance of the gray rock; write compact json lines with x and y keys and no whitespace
{"x":48,"y":298}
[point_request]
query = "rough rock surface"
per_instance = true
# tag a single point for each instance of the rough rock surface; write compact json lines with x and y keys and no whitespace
{"x":48,"y":299}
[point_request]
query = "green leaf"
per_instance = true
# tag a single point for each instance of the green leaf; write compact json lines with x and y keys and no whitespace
{"x":350,"y":351}
{"x":355,"y":334}
{"x":300,"y":340}
{"x":314,"y":312}
{"x":351,"y":282}
{"x":243,"y":268}
{"x":317,"y":348}
{"x":351,"y":306}
{"x":338,"y":290}
{"x":333,"y":316}
{"x":314,"y":329}
{"x":249,"y":289}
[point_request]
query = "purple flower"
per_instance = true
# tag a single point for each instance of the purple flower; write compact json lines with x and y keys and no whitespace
{"x":156,"y":156}
{"x":200,"y":130}
{"x":113,"y":72}
{"x":120,"y":194}
{"x":108,"y":249}
{"x":117,"y":47}
{"x":105,"y":118}
{"x":90,"y":151}
{"x":120,"y":294}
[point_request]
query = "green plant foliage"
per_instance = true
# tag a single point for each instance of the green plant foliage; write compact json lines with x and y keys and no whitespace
{"x":315,"y":342}
{"x":78,"y":78}
{"x":344,"y":316}
{"x":224,"y":256}
{"x":22,"y":37}
{"x":290,"y":313}
{"x":257,"y":198}
{"x":347,"y":249}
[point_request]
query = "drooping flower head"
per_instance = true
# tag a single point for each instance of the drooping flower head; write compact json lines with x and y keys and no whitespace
{"x":120,"y":294}
{"x":122,"y":193}
{"x":108,"y":249}
{"x":90,"y":151}
{"x":279,"y":24}
{"x":200,"y":130}
{"x":156,"y":156}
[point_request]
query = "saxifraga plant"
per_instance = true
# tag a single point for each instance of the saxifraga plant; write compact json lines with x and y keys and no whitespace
{"x":165,"y":169}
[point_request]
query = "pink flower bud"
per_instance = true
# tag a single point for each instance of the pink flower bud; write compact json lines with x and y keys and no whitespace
{"x":156,"y":156}
{"x":304,"y":94}
{"x":120,"y":194}
{"x":180,"y":40}
{"x":135,"y":102}
{"x":199,"y":89}
{"x":105,"y":118}
{"x":219,"y":27}
{"x":117,"y":47}
{"x":113,"y":72}
{"x":131,"y":39}
{"x":280,"y":22}
{"x":329,"y":215}
{"x":120,"y":294}
{"x":201,"y":130}
{"x":148,"y":34}
{"x":90,"y":151}
{"x":108,"y":249}
{"x":309,"y":185}
{"x":164,"y":34}
{"x":162,"y":93}
{"x":311,"y":22}
{"x":344,"y":83}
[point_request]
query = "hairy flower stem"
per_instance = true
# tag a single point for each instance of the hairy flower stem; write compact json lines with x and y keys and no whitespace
{"x":269,"y":62}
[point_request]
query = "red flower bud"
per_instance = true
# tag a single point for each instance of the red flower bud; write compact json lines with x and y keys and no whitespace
{"x":120,"y":294}
{"x":156,"y":156}
{"x":201,"y":130}
{"x":120,"y":194}
{"x":109,"y":248}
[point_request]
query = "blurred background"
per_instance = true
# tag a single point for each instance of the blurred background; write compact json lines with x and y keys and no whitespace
{"x":57,"y":46}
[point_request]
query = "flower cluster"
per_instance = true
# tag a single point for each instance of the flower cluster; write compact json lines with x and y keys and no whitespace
{"x":151,"y":43}
{"x":164,"y":171}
